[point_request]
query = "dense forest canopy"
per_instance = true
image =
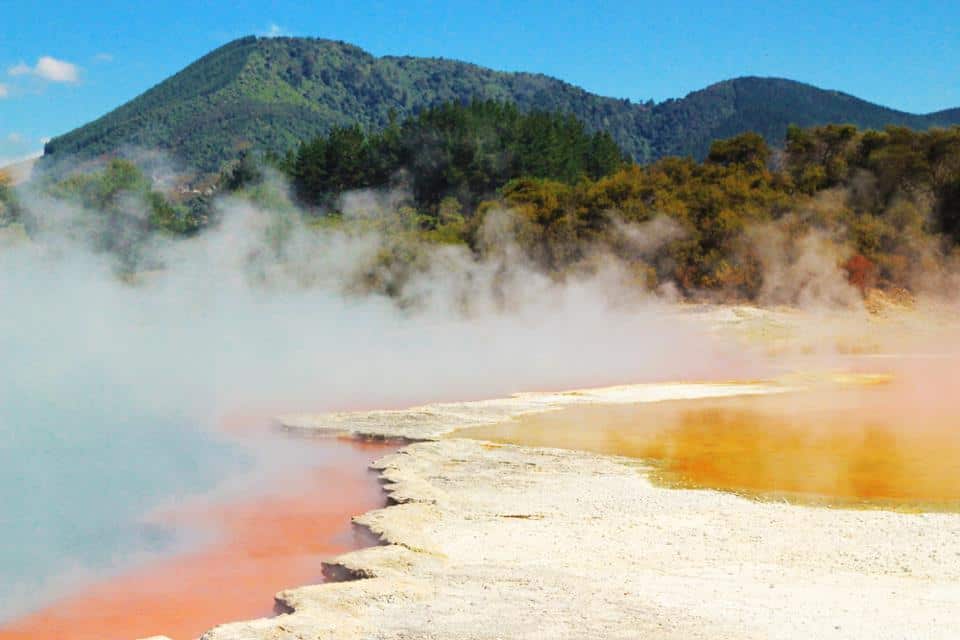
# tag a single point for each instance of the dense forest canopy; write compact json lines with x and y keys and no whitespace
{"x":464,"y":153}
{"x":884,"y":202}
{"x":268,"y":94}
{"x":881,"y":207}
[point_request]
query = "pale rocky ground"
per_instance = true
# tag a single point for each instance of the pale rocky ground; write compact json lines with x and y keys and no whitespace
{"x":499,"y":541}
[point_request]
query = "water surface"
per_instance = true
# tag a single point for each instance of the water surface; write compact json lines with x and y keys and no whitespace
{"x":273,"y":537}
{"x":848,"y":445}
{"x":77,"y":479}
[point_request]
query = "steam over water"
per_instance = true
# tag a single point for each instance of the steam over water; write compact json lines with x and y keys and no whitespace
{"x":80,"y":468}
{"x":112,"y":392}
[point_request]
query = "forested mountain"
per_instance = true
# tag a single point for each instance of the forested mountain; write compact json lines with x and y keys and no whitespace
{"x":269,"y":94}
{"x":768,"y":106}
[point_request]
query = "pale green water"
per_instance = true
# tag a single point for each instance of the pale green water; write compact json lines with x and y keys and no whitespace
{"x":76,"y":480}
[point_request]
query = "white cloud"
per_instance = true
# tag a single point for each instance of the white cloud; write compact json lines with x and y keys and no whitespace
{"x":55,"y":70}
{"x":50,"y":69}
{"x":45,"y":140}
{"x":14,"y":138}
{"x":103,"y":57}
{"x":4,"y":91}
{"x":21,"y":69}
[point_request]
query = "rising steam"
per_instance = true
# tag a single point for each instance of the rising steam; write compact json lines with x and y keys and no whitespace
{"x":265,"y":312}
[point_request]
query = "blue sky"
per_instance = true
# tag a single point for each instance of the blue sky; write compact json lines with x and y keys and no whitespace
{"x":65,"y":63}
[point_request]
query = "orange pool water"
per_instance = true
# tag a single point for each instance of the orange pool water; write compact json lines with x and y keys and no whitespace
{"x":259,"y":546}
{"x":862,"y":446}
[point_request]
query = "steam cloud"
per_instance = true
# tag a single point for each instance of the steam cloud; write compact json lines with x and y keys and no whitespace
{"x":264,"y":310}
{"x":113,"y":386}
{"x":264,"y":313}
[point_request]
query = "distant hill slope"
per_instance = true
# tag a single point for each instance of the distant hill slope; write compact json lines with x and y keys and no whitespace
{"x":271,"y":93}
{"x":768,"y":106}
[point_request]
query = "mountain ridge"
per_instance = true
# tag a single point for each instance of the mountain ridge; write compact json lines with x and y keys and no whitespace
{"x":272,"y":93}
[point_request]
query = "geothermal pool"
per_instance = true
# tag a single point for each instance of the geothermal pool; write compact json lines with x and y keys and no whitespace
{"x":221,"y":556}
{"x":864,"y":442}
{"x":76,"y":479}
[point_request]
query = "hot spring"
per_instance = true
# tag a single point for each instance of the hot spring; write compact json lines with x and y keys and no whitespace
{"x":114,"y":391}
{"x":863,"y":441}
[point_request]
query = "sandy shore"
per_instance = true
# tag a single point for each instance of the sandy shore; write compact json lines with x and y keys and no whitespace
{"x":500,"y":541}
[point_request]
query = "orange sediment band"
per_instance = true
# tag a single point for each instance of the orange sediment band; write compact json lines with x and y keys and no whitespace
{"x":275,"y":541}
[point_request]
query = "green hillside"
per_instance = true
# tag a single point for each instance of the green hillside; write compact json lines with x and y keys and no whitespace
{"x":272,"y":93}
{"x":768,"y":106}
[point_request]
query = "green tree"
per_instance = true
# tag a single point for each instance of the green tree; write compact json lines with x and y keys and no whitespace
{"x":749,"y":150}
{"x":246,"y":171}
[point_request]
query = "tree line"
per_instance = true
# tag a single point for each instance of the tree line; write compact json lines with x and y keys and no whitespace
{"x":887,"y":202}
{"x":457,"y":151}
